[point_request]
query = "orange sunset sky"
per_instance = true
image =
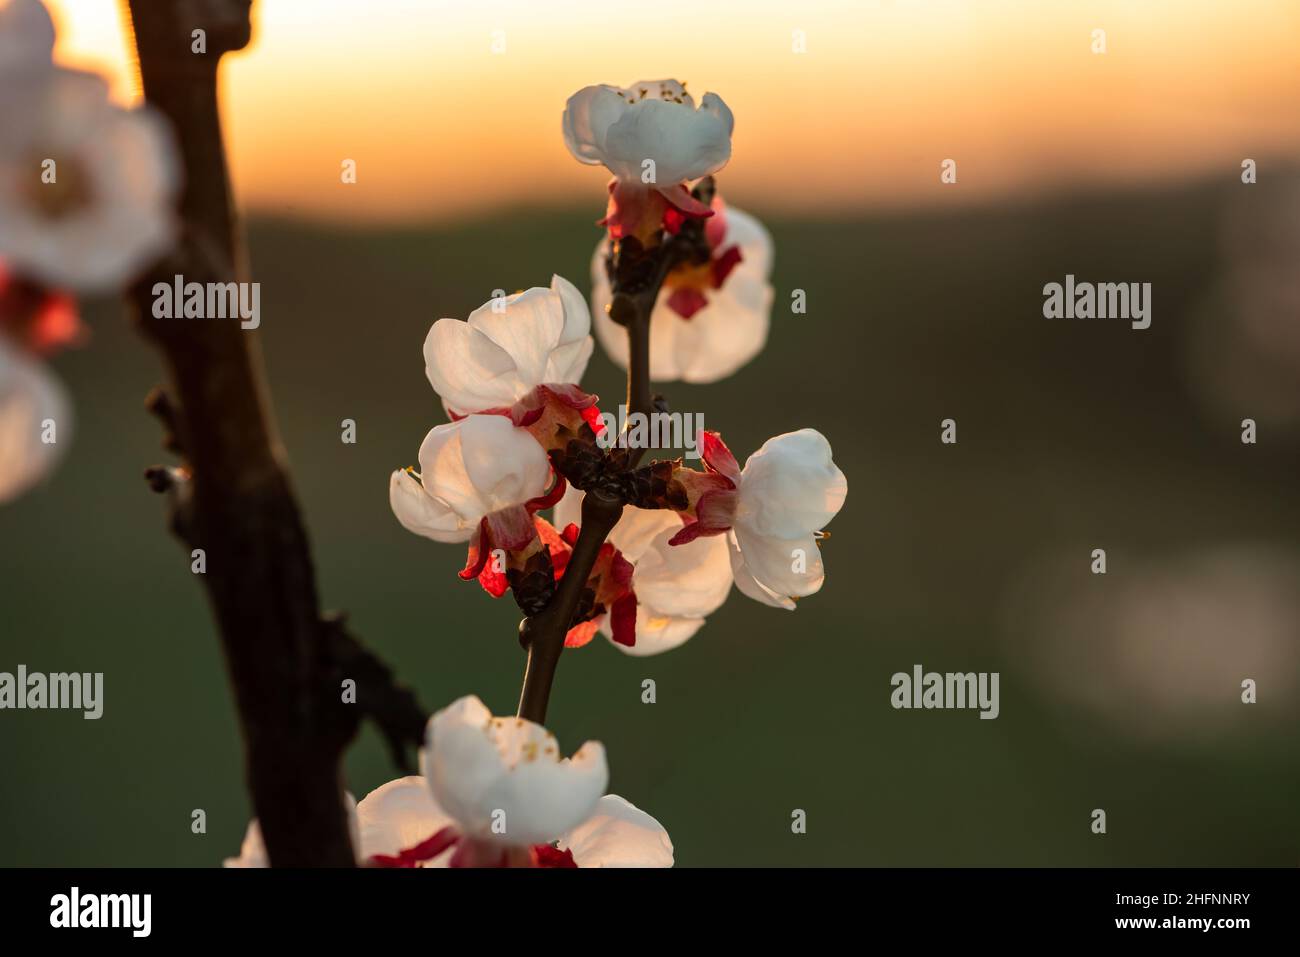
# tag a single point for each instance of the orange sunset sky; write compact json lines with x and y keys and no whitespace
{"x":441,"y":126}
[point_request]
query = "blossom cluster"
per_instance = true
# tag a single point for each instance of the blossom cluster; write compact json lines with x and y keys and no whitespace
{"x":86,"y":196}
{"x":522,"y":435}
{"x":522,"y":440}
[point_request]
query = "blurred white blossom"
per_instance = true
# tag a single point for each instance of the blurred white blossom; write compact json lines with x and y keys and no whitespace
{"x":709,"y":319}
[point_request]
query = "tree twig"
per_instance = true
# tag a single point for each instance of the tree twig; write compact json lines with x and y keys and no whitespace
{"x":285,"y":662}
{"x":636,"y":275}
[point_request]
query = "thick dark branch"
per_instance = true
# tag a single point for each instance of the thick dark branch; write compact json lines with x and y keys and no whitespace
{"x":285,"y":662}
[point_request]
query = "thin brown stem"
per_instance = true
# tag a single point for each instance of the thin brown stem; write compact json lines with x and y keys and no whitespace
{"x":544,"y":633}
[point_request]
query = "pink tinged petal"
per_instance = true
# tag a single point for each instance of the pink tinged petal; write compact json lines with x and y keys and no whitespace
{"x":715,"y":230}
{"x":511,"y":528}
{"x":791,"y":486}
{"x":476,"y":558}
{"x":588,"y":114}
{"x":29,"y":396}
{"x":622,"y":621}
{"x":619,"y":834}
{"x":715,"y":504}
{"x":723,"y":264}
{"x":686,"y":301}
{"x":581,"y":634}
{"x":681,"y":207}
{"x":398,"y":815}
{"x":656,"y":633}
{"x":633,"y":209}
{"x":754,"y":240}
{"x":544,"y":855}
{"x":719,"y":458}
{"x":493,"y":581}
{"x":419,"y":855}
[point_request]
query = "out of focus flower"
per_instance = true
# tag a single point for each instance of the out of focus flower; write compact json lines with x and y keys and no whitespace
{"x":1162,"y":650}
{"x":649,"y":596}
{"x":1244,"y":340}
{"x":654,"y":139}
{"x":30,"y":399}
{"x":480,"y":480}
{"x":26,"y":36}
{"x":85,"y":187}
{"x":710,"y":318}
{"x":497,"y":793}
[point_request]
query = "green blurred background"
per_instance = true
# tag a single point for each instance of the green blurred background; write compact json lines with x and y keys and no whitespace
{"x":1072,"y":435}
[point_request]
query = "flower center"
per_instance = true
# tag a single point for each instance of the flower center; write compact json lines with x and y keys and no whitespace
{"x":669,"y":91}
{"x":62,"y":188}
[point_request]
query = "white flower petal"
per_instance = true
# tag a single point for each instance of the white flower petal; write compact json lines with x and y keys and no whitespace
{"x":502,"y":778}
{"x":682,"y":581}
{"x":26,"y":36}
{"x":252,"y":852}
{"x":587,"y":116}
{"x":619,"y":834}
{"x":29,"y":395}
{"x":748,"y":585}
{"x":505,"y":464}
{"x":481,"y":464}
{"x":397,"y":816}
{"x":783,"y":568}
{"x":655,"y":633}
{"x":421,"y":513}
{"x":508,"y":347}
{"x":651,"y":120}
{"x":469,"y":371}
{"x":791,"y":486}
{"x":115,"y":170}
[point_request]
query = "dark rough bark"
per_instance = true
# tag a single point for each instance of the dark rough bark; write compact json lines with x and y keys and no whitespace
{"x":233,"y":496}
